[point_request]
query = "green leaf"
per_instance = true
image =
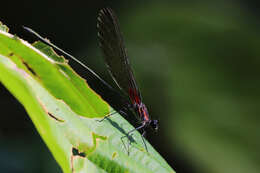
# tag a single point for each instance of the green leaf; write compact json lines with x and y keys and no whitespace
{"x":3,"y":27}
{"x":65,"y":111}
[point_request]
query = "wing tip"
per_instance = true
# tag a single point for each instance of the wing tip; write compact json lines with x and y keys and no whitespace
{"x":106,"y":14}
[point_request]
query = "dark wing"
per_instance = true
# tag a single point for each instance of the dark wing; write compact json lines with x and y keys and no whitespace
{"x":114,"y":51}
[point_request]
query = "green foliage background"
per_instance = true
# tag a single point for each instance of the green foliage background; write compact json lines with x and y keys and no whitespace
{"x":208,"y":63}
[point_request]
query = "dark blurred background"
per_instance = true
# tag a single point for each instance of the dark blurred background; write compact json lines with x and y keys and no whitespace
{"x":196,"y":62}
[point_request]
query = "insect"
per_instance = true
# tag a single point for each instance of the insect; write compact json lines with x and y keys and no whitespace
{"x":117,"y":61}
{"x":112,"y":45}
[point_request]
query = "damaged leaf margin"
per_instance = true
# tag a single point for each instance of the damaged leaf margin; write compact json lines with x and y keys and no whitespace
{"x":39,"y":82}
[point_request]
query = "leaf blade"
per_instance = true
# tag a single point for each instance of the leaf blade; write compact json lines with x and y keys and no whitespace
{"x":63,"y":127}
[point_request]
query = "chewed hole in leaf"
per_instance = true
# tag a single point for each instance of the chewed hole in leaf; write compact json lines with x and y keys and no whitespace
{"x":54,"y":117}
{"x":75,"y":152}
{"x":49,"y":52}
{"x":29,"y":68}
{"x":114,"y":155}
{"x":10,"y":54}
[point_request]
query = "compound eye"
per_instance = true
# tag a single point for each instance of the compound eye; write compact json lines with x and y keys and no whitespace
{"x":155,"y":124}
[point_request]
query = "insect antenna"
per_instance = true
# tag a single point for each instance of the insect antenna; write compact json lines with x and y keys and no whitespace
{"x":67,"y":54}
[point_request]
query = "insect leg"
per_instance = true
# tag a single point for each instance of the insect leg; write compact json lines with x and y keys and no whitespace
{"x":143,"y":136}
